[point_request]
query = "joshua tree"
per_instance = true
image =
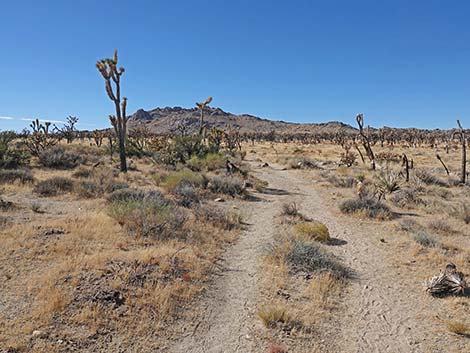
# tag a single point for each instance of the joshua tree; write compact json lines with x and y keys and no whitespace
{"x":365,"y":139}
{"x":68,"y":131}
{"x":111,"y":74}
{"x":461,"y":134}
{"x":201,"y":107}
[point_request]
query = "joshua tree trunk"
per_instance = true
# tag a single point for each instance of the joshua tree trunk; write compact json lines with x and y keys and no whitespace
{"x":365,"y":140}
{"x":201,"y":107}
{"x":461,"y":134}
{"x":109,"y":71}
{"x":443,"y":164}
{"x":406,"y":165}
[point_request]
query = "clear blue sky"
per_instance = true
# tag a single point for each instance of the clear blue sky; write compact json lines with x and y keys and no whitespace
{"x":401,"y":62}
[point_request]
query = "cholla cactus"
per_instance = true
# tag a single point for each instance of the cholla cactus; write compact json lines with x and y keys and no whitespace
{"x":449,"y":281}
{"x":110,"y":72}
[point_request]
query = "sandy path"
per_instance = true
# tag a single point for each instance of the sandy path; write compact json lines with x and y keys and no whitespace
{"x":380,"y":315}
{"x":229,"y":305}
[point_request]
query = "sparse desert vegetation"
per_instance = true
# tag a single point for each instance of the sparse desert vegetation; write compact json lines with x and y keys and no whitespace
{"x":126,"y":227}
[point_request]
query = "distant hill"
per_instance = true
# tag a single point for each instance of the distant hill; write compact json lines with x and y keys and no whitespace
{"x":166,"y":120}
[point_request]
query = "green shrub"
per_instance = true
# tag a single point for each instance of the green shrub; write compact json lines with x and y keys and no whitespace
{"x":210,"y":162}
{"x":22,"y":176}
{"x":183,"y":177}
{"x":309,"y":257}
{"x":54,"y":186}
{"x":232,"y":186}
{"x":369,"y":206}
{"x":58,"y":158}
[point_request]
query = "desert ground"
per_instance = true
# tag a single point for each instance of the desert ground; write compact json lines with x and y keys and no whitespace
{"x":284,"y":249}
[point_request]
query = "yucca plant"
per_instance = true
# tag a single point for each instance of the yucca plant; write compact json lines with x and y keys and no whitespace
{"x":387,"y":183}
{"x":448,"y":282}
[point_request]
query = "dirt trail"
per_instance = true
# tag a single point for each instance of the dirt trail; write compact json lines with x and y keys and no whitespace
{"x":382,"y":308}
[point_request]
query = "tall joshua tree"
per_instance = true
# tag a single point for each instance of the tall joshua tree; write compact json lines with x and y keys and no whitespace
{"x":112,"y":77}
{"x":201,"y":107}
{"x":365,"y":139}
{"x":461,"y":134}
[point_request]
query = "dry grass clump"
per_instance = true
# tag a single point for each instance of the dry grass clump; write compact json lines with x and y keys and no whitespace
{"x":458,"y":327}
{"x":424,"y":239}
{"x":146,"y":214}
{"x":83,"y":173}
{"x":340,"y":182}
{"x":54,"y":186}
{"x":312,"y":231}
{"x":58,"y":158}
{"x":272,"y":315}
{"x":233,"y":186}
{"x":218,"y":217}
{"x":429,"y":178}
{"x":88,"y":189}
{"x":23,"y":176}
{"x":441,"y":226}
{"x":368,"y":206}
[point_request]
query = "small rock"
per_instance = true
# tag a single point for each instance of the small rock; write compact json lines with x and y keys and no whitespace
{"x":219,"y":199}
{"x":38,"y":334}
{"x":382,"y":240}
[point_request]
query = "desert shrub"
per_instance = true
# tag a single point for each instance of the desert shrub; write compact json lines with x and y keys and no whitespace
{"x":464,"y":213}
{"x":11,"y":158}
{"x":440,"y":225}
{"x":125,"y":195}
{"x":218,"y":217}
{"x":369,"y":206}
{"x":407,"y":225}
{"x":58,"y":158}
{"x":429,"y":178}
{"x":271,"y":315}
{"x":83,"y":173}
{"x":406,"y":197}
{"x":425,"y":239}
{"x":146,"y":214}
{"x":22,"y":176}
{"x":181,"y":149}
{"x":341,"y":182}
{"x":88,"y":189}
{"x":210,"y":162}
{"x":6,"y":205}
{"x":186,"y":195}
{"x":309,"y":257}
{"x":183,"y":177}
{"x":290,"y":209}
{"x":303,"y":163}
{"x":312,"y":231}
{"x":232,"y":186}
{"x":54,"y":186}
